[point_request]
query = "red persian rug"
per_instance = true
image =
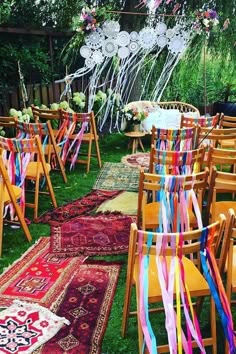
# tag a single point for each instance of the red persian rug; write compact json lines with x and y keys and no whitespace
{"x":37,"y":276}
{"x":140,"y":160}
{"x":100,"y":234}
{"x":86,"y":303}
{"x":78,"y":207}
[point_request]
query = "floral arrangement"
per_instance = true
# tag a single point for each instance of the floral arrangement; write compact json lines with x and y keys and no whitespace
{"x":87,"y":21}
{"x":133,"y":115}
{"x":205,"y":20}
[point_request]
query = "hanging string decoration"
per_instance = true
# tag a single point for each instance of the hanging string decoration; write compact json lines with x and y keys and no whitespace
{"x":114,"y":58}
{"x":173,"y":217}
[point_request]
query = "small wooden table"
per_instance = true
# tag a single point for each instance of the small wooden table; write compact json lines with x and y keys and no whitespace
{"x":135,"y":140}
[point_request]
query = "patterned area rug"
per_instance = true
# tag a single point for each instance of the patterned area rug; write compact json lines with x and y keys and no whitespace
{"x":125,"y":203}
{"x":100,"y":234}
{"x":140,"y":160}
{"x":86,"y":303}
{"x":24,"y":327}
{"x":78,"y":207}
{"x":37,"y":276}
{"x":117,"y":176}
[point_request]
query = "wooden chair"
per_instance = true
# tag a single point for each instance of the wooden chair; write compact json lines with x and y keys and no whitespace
{"x":26,"y":161}
{"x":187,"y":122}
{"x":150,"y":186}
{"x":227,"y":122}
{"x":176,"y":162}
{"x":175,"y":139}
{"x":87,"y":137}
{"x":10,"y":194}
{"x":221,"y":182}
{"x":194,"y":280}
{"x":49,"y":145}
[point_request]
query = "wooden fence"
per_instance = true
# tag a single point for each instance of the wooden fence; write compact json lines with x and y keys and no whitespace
{"x":40,"y":94}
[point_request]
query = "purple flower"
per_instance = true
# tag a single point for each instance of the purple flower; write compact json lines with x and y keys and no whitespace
{"x":213,"y":14}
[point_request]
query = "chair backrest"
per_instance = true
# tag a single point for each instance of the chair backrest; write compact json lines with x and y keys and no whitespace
{"x":227,"y":121}
{"x":154,"y":187}
{"x":18,"y":153}
{"x":222,"y":159}
{"x":211,"y":137}
{"x":181,"y":106}
{"x":175,"y":139}
{"x":202,"y":121}
{"x":176,"y":162}
{"x":79,"y":118}
{"x":223,"y":241}
{"x":42,"y":115}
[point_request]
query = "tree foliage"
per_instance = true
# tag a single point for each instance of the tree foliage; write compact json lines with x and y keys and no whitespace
{"x":33,"y":51}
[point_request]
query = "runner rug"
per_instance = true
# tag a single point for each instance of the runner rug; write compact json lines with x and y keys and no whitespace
{"x":86,"y":303}
{"x":140,"y":160}
{"x":99,"y":234}
{"x":78,"y":207}
{"x":117,"y":176}
{"x":37,"y":276}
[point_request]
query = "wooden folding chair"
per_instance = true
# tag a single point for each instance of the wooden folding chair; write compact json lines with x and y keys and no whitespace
{"x":9,"y":194}
{"x":175,"y":139}
{"x":88,"y":137}
{"x":49,"y":145}
{"x":176,"y":162}
{"x":227,"y":122}
{"x":144,"y":244}
{"x":26,"y":161}
{"x":187,"y":122}
{"x":150,"y":186}
{"x":221,"y":183}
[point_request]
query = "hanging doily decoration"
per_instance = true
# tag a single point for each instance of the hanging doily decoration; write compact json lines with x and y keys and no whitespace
{"x":114,"y":58}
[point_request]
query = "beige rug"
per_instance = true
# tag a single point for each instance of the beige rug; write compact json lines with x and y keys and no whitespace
{"x":126,"y":203}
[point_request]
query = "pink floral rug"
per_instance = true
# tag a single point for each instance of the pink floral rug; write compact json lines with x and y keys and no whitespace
{"x":140,"y":160}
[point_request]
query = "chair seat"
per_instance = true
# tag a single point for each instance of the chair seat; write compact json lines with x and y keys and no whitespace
{"x":223,"y":207}
{"x":31,"y":170}
{"x":17,"y":192}
{"x":151,"y":212}
{"x":195,"y":281}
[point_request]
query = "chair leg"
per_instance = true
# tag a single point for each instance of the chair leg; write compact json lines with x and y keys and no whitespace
{"x":140,"y":332}
{"x":36,"y":198}
{"x":126,"y":307}
{"x":213,"y":326}
{"x":98,"y":153}
{"x":89,"y":155}
{"x":19,"y":214}
{"x":50,"y":190}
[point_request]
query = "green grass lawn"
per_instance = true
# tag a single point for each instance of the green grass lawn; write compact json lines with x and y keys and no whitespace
{"x":113,"y":147}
